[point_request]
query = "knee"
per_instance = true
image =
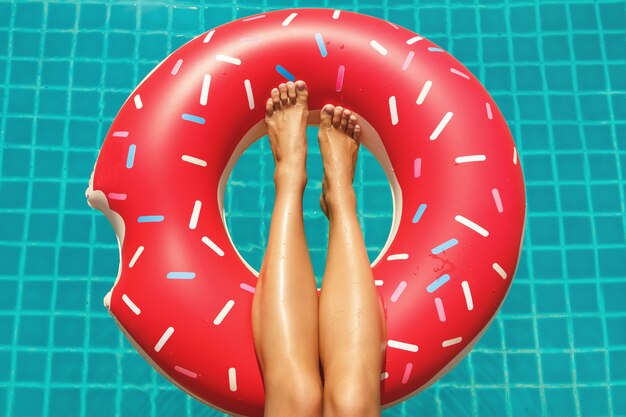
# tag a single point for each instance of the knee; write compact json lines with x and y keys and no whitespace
{"x":352,"y":400}
{"x":296,"y":397}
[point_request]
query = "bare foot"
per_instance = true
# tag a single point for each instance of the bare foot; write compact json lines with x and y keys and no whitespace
{"x":339,"y":145}
{"x":286,"y":114}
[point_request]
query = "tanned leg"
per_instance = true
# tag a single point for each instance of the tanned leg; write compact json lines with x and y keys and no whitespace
{"x":285,"y":304}
{"x":352,"y":324}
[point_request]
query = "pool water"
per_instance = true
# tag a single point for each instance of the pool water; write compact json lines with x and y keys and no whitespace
{"x":556,"y":70}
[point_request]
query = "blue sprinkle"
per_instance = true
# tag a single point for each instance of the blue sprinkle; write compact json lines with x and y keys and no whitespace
{"x":130,"y":160}
{"x":282,"y":71}
{"x":444,"y":246}
{"x":181,"y":275}
{"x":150,"y":219}
{"x":321,"y":44}
{"x":434,"y":286}
{"x":192,"y":118}
{"x":419,"y":212}
{"x":433,"y":49}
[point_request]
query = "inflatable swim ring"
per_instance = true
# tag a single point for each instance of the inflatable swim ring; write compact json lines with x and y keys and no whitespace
{"x":183,"y":294}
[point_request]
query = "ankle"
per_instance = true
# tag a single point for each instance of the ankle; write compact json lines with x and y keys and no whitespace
{"x":340,"y":201}
{"x":290,"y":177}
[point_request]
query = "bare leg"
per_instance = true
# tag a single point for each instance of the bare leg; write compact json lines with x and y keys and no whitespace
{"x":352,"y":324}
{"x":285,"y":304}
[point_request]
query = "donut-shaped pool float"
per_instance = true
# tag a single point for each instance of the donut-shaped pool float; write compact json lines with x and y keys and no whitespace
{"x":183,"y":294}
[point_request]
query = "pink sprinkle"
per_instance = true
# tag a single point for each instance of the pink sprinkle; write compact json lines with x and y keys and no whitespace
{"x":394,"y":25}
{"x":120,"y":134}
{"x":417,"y":167}
{"x":185,"y":371}
{"x":177,"y":67}
{"x":247,"y":287}
{"x":457,"y":72}
{"x":398,"y":292}
{"x":489,"y":114}
{"x":497,"y":199}
{"x":117,"y":196}
{"x":407,"y":372}
{"x":340,"y":72}
{"x":408,"y":60}
{"x":440,"y":311}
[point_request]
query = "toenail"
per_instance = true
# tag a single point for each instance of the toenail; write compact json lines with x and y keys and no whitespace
{"x":300,"y":86}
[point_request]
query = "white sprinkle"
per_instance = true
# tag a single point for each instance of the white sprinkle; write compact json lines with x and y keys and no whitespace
{"x":194,"y":160}
{"x":393,"y":109}
{"x":384,"y":375}
{"x":232,"y":379}
{"x":204,"y":92}
{"x":488,"y":107}
{"x":224,"y":312}
{"x":177,"y":67}
{"x":457,"y":72}
{"x":289,"y":18}
{"x":184,"y":371}
{"x":254,"y":18}
{"x":398,"y":257}
{"x":514,"y":155}
{"x":466,"y":222}
{"x":424,"y":92}
{"x":248,"y":86}
{"x":441,"y":125}
{"x":469,"y":158}
{"x":138,"y":102}
{"x":131,"y":305}
{"x":468,"y":296}
{"x":413,"y":40}
{"x":378,"y":282}
{"x":212,"y":245}
{"x":402,"y":346}
{"x":208,"y":36}
{"x":407,"y":60}
{"x":229,"y":59}
{"x":336,"y":14}
{"x":135,"y":256}
{"x":193,"y":222}
{"x":164,"y":339}
{"x":451,"y":342}
{"x":381,"y":49}
{"x":499,"y":270}
{"x":398,"y":292}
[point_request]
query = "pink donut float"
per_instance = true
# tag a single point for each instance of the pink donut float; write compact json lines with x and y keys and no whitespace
{"x":183,"y":294}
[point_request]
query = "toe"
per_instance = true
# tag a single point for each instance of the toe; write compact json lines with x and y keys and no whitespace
{"x":351,"y":124}
{"x":269,"y":107}
{"x":291,"y":92}
{"x":344,"y":119}
{"x":357,"y":132}
{"x":301,"y":90}
{"x":326,"y":115}
{"x":337,"y":116}
{"x":276,"y":98}
{"x":283,"y":93}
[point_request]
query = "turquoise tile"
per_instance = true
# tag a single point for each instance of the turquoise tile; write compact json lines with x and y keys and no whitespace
{"x":64,"y":402}
{"x":28,"y":401}
{"x":100,"y":402}
{"x":36,"y":295}
{"x":61,"y":16}
{"x":590,"y":367}
{"x":594,"y":401}
{"x":67,"y":367}
{"x":560,"y":402}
